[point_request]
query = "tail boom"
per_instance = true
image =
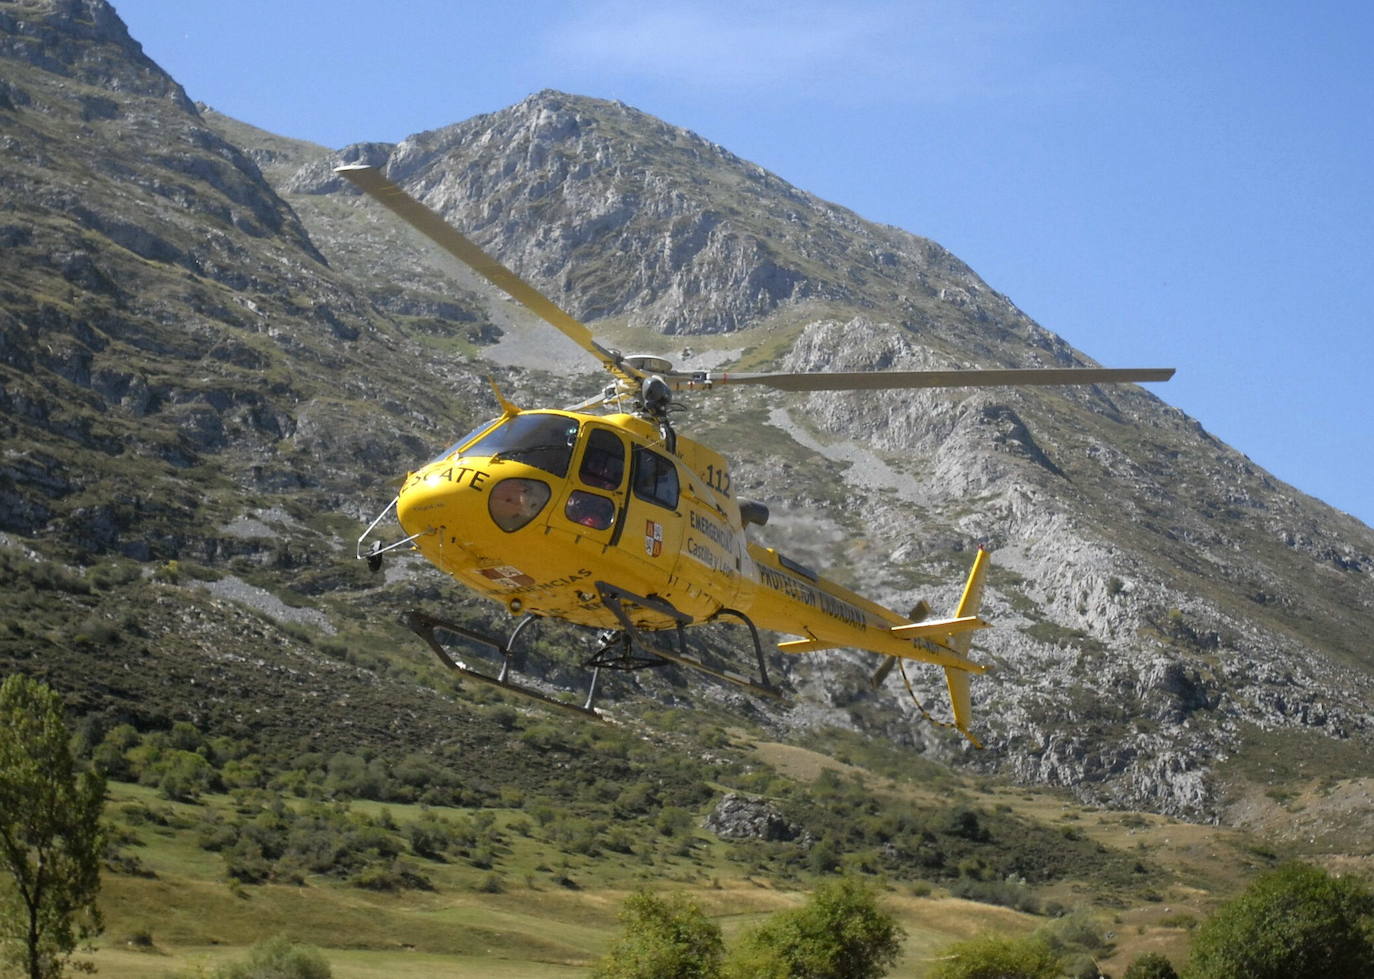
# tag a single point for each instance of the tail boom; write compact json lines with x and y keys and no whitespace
{"x":941,"y":642}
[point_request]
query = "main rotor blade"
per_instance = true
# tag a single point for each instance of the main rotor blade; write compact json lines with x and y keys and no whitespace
{"x":881,"y":380}
{"x":424,"y":220}
{"x":595,"y":401}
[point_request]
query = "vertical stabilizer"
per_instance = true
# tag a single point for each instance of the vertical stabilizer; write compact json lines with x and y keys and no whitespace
{"x":957,"y":679}
{"x":973,"y":595}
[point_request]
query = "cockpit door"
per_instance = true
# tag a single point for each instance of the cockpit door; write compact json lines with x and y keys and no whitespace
{"x":652,"y":529}
{"x":592,"y":504}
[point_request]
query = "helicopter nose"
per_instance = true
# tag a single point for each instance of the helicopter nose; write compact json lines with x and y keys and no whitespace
{"x":430,"y":499}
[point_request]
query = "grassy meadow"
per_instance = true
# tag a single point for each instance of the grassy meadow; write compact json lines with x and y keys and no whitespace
{"x":530,"y":906}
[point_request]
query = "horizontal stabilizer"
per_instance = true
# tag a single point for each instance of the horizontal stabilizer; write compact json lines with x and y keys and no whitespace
{"x":939,"y":627}
{"x":946,"y":643}
{"x":806,"y":646}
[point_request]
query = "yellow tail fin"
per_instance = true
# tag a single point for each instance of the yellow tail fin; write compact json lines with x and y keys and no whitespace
{"x":956,"y":679}
{"x":945,"y":642}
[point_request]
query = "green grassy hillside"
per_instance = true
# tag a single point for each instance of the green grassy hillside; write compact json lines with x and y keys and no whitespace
{"x":413,"y":889}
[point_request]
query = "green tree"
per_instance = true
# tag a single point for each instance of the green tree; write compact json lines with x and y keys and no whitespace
{"x":50,"y":834}
{"x":665,"y":938}
{"x":183,"y":775}
{"x":1294,"y":921}
{"x":840,"y":933}
{"x":990,"y":956}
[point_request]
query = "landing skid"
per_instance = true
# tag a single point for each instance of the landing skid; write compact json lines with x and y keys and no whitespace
{"x":426,"y":627}
{"x":626,"y":648}
{"x":639,"y":651}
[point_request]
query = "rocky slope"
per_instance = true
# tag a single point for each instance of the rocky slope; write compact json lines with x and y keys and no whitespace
{"x":202,"y":326}
{"x":1159,"y":593}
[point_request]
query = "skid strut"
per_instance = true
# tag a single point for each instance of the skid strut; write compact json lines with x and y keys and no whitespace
{"x":426,"y":627}
{"x":628,"y":648}
{"x":618,"y":599}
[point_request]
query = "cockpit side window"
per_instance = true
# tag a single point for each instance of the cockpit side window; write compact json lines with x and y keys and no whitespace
{"x":590,"y":510}
{"x":536,"y":439}
{"x":655,"y":478}
{"x":603,"y":463}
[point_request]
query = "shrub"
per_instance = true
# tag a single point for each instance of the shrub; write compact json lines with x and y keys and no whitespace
{"x":823,"y":857}
{"x":246,"y":864}
{"x":183,"y":775}
{"x":1008,"y":893}
{"x":1076,"y":931}
{"x":141,"y":938}
{"x":490,"y":884}
{"x":278,"y":958}
{"x":1151,"y":965}
{"x":429,"y":838}
{"x":1294,"y":921}
{"x":994,"y":957}
{"x":673,"y":821}
{"x":840,"y":933}
{"x":664,"y":938}
{"x":965,"y":823}
{"x":399,"y":876}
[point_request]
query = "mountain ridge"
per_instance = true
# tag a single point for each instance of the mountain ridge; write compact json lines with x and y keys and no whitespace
{"x":217,"y":331}
{"x":1178,"y":684}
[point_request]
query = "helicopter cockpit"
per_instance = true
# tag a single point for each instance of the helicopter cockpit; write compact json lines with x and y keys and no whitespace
{"x":544,"y":441}
{"x":592,"y":458}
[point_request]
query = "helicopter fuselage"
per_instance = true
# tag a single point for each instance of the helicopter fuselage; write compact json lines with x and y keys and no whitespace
{"x":536,"y":509}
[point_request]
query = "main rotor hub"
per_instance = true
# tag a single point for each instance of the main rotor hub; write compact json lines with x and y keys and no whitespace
{"x":655,"y":395}
{"x":648,"y":364}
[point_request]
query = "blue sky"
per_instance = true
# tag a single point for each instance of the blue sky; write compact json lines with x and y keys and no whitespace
{"x":1164,"y":184}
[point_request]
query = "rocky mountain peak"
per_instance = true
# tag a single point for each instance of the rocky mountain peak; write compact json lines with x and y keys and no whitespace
{"x":214,"y":354}
{"x":83,"y":40}
{"x":557,"y":182}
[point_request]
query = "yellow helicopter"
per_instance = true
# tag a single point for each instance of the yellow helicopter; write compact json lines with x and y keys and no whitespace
{"x":610,"y":519}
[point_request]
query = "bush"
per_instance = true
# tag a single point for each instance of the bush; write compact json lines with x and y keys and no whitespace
{"x":1294,"y":921}
{"x":141,"y":938}
{"x":994,"y":957}
{"x":492,"y":883}
{"x":399,"y":876}
{"x":1151,"y":965}
{"x":110,"y":762}
{"x":665,"y":938}
{"x":1007,"y":893}
{"x":429,"y":837}
{"x":183,"y":775}
{"x":963,"y":822}
{"x":1077,"y":931}
{"x":245,"y":863}
{"x":278,"y":958}
{"x":841,"y":933}
{"x":673,"y":821}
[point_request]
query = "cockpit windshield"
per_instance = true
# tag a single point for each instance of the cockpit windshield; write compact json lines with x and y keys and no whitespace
{"x":536,"y":439}
{"x":464,"y":440}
